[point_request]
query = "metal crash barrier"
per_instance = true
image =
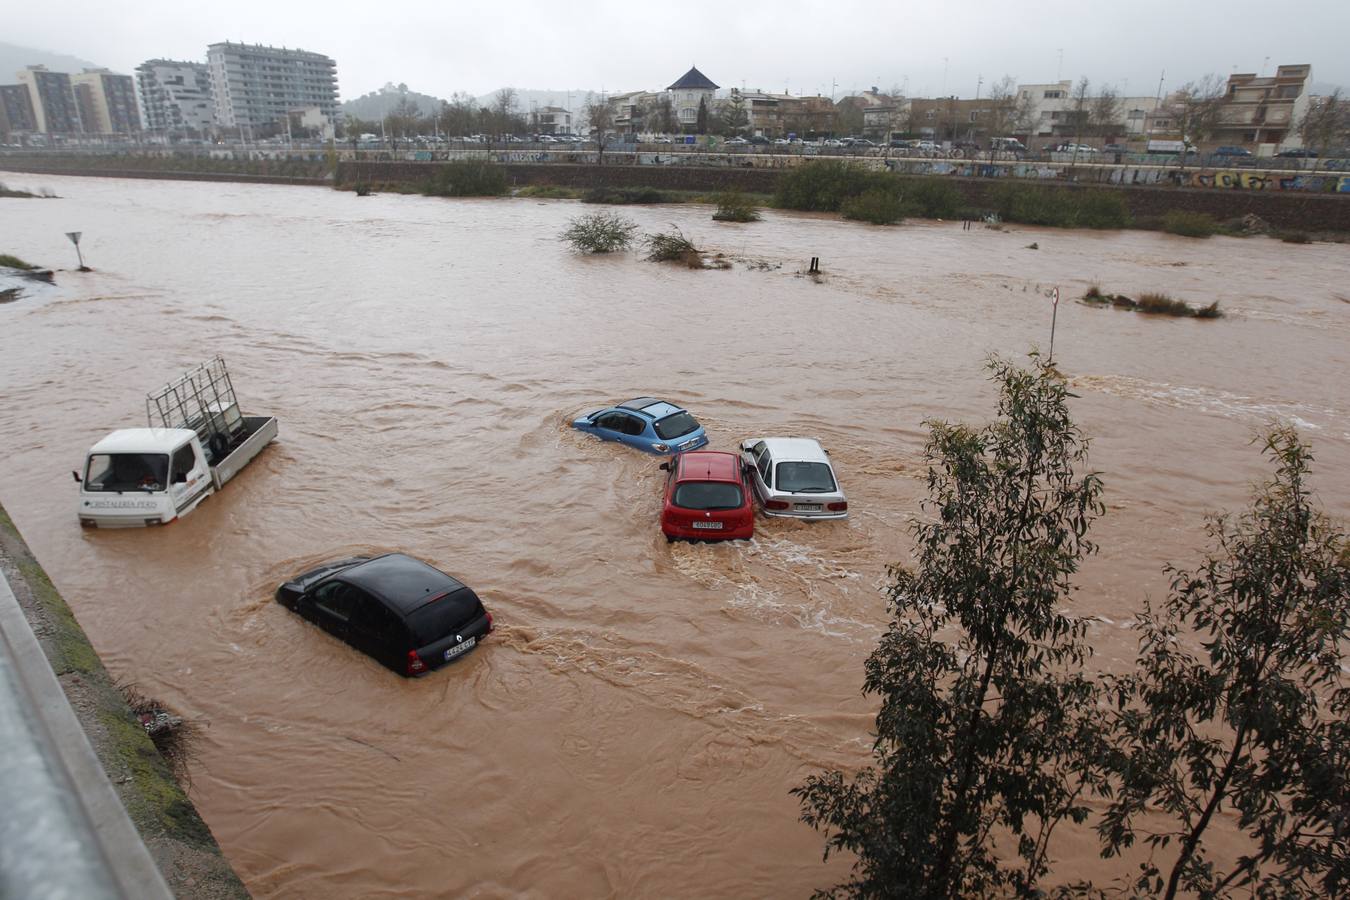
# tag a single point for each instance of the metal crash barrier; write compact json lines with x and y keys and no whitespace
{"x":63,"y":830}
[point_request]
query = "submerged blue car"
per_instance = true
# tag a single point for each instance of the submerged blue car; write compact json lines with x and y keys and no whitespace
{"x":646,"y":423}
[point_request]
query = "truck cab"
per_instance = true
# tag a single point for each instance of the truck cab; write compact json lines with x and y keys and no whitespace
{"x":143,"y":476}
{"x":196,"y":440}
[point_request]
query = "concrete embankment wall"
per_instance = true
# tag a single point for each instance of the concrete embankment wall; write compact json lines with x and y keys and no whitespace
{"x":1286,"y":210}
{"x":179,"y":842}
{"x":1297,"y":210}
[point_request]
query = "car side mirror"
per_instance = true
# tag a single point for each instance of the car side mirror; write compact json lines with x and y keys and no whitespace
{"x":76,"y":476}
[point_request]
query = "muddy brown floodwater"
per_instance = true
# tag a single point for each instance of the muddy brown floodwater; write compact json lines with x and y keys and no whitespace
{"x":633,"y":727}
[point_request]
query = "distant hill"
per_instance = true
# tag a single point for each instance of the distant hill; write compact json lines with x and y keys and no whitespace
{"x":526,"y":98}
{"x":14,"y":58}
{"x":378,"y":104}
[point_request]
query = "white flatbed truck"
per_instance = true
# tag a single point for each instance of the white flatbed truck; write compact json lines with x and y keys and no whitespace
{"x":195,"y":442}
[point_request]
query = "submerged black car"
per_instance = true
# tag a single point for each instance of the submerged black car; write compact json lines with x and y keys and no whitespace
{"x":404,"y":613}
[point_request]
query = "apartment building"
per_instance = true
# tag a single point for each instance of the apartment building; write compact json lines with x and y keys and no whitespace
{"x":17,"y":115}
{"x":1264,"y":110}
{"x":55,"y":110}
{"x":107,"y":102}
{"x":254,"y":85}
{"x":176,"y":96}
{"x":555,"y":120}
{"x":1052,"y":110}
{"x":763,"y":115}
{"x":628,"y":110}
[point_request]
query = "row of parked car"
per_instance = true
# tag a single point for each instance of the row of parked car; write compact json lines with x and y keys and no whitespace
{"x":711,"y":494}
{"x":413,"y":618}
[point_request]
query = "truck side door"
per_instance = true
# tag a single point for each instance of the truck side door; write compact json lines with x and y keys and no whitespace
{"x":188,"y":477}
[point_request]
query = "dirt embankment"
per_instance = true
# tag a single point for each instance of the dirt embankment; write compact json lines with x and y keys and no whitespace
{"x":177,"y":838}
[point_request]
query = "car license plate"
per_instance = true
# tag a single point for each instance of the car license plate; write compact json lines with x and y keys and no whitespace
{"x":808,"y":507}
{"x":456,"y":650}
{"x":711,"y":526}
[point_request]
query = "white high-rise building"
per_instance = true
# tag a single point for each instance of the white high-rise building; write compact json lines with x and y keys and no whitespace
{"x":175,"y":96}
{"x":255,"y":85}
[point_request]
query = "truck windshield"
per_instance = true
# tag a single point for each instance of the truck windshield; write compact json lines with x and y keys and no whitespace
{"x":126,"y":472}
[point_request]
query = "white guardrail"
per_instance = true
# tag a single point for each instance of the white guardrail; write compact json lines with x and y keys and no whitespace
{"x":63,"y":829}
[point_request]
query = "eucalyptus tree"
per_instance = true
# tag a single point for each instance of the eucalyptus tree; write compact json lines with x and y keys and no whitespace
{"x":1241,"y":702}
{"x":989,"y":733}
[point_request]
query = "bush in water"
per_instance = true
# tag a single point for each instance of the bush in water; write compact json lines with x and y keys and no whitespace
{"x":600,"y":232}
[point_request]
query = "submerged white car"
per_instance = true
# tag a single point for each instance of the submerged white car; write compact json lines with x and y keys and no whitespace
{"x":793,"y":477}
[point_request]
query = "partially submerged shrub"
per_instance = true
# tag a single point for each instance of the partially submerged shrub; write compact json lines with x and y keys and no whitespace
{"x":877,"y":205}
{"x":733,"y":206}
{"x":928,"y":198}
{"x":625,"y":195}
{"x":1152,"y":304}
{"x":600,"y":232}
{"x":1162,"y":304}
{"x":19,"y":193}
{"x":1189,"y":224}
{"x":1060,"y":207}
{"x":1295,"y":237}
{"x":13,"y":262}
{"x":466,"y":178}
{"x":548,"y":192}
{"x":1101,"y":209}
{"x":820,"y":186}
{"x":363,"y":190}
{"x":665,"y":247}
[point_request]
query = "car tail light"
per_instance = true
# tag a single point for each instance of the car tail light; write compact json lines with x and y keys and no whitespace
{"x":489,"y":615}
{"x":776,"y":504}
{"x":837,"y":507}
{"x":415,"y":664}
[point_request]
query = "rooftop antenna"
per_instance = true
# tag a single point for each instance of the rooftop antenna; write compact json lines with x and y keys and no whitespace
{"x":1059,"y":69}
{"x":944,"y":76}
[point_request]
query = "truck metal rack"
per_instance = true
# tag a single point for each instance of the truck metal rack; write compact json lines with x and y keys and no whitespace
{"x":202,"y":400}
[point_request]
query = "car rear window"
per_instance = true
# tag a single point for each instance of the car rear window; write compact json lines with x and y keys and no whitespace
{"x":708,"y":495}
{"x":439,"y":618}
{"x":677,"y":425}
{"x":804,"y":478}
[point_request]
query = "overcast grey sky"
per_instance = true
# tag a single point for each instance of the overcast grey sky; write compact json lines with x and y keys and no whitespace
{"x":805,"y":47}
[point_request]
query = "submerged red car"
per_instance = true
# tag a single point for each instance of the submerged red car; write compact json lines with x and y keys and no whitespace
{"x":707,"y":498}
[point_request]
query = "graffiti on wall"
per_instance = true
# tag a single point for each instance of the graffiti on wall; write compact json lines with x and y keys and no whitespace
{"x":1121,"y":174}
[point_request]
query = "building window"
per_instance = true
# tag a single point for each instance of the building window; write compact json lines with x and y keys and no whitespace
{"x":1054,"y":95}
